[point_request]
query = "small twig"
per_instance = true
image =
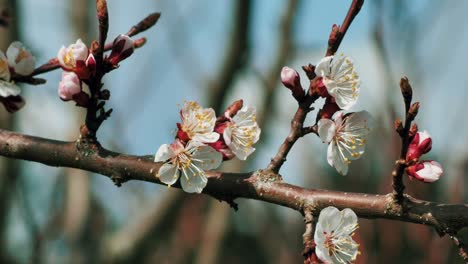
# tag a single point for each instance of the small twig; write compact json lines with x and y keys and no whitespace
{"x":461,"y":248}
{"x":338,"y":32}
{"x":308,"y":238}
{"x":404,"y":132}
{"x":103,"y":19}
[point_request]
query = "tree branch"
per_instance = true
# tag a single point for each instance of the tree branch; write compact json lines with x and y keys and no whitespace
{"x":263,"y":185}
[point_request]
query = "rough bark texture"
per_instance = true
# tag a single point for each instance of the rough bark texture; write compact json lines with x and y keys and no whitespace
{"x":263,"y":185}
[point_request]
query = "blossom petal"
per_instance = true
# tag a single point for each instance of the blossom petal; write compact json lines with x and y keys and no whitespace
{"x":206,"y":137}
{"x":164,"y":153}
{"x":207,"y":158}
{"x":323,"y":67}
{"x":360,"y":123}
{"x":227,"y":134}
{"x":193,"y":179}
{"x":336,"y":159}
{"x":168,"y":174}
{"x":9,"y":89}
{"x":326,"y":129}
{"x":20,"y":58}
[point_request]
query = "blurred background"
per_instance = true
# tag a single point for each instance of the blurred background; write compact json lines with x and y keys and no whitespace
{"x":216,"y":52}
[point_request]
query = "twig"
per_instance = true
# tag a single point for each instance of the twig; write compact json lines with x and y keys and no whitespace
{"x":338,"y":32}
{"x":308,"y":238}
{"x":404,"y":131}
{"x":259,"y":185}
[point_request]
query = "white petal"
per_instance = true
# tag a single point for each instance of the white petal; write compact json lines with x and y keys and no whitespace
{"x":322,"y":253}
{"x":241,"y":152}
{"x":349,"y":219}
{"x":168,"y":174}
{"x":8,"y":89}
{"x":323,"y":67}
{"x":164,"y":153}
{"x":423,"y":136}
{"x":245,"y":117}
{"x":431,"y":172}
{"x":326,"y":129}
{"x":360,"y":120}
{"x":207,"y":158}
{"x":193,"y":180}
{"x":227,"y":135}
{"x":206,"y":137}
{"x":329,"y":218}
{"x":335,"y":159}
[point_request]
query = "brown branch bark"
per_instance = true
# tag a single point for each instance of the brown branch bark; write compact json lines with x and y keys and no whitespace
{"x":261,"y":185}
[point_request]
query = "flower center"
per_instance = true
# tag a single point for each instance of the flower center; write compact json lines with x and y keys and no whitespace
{"x":183,"y":160}
{"x":68,"y":59}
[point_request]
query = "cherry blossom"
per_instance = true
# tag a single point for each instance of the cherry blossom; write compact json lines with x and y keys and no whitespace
{"x":187,"y":163}
{"x":346,"y":135}
{"x":333,"y":235}
{"x":426,"y":171}
{"x":340,"y":79}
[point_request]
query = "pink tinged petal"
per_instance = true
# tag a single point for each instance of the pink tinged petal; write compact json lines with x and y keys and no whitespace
{"x":8,"y":89}
{"x":206,"y":158}
{"x":168,"y":174}
{"x":80,"y":51}
{"x":326,"y":130}
{"x":431,"y":171}
{"x":20,"y":59}
{"x":193,"y":179}
{"x":61,"y":58}
{"x":164,"y":153}
{"x":69,"y":86}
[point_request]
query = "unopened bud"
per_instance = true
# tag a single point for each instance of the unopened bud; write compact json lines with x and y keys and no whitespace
{"x":426,"y":171}
{"x":413,"y":111}
{"x":309,"y":69}
{"x":291,"y":79}
{"x":123,"y":47}
{"x":69,"y":86}
{"x":398,"y":126}
{"x":421,"y":144}
{"x":413,"y":130}
{"x":406,"y":89}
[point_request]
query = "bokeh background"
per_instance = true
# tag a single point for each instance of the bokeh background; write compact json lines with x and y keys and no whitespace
{"x":216,"y":52}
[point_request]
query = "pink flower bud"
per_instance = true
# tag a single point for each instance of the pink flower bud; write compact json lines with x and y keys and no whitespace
{"x":122,"y":49}
{"x":69,"y":86}
{"x":291,"y":79}
{"x":426,"y":171}
{"x":421,"y":144}
{"x":232,"y":110}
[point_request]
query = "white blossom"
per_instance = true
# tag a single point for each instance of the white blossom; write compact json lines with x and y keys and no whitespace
{"x":198,"y":122}
{"x":346,"y":136}
{"x":69,"y":56}
{"x":340,"y":79}
{"x":333,"y":236}
{"x":242,"y":132}
{"x":20,"y":59}
{"x":187,"y":163}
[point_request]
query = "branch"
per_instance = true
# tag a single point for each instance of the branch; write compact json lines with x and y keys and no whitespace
{"x":338,"y":32}
{"x":263,"y":185}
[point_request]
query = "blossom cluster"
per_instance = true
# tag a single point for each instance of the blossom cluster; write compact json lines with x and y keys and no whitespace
{"x":203,"y":141}
{"x":338,"y":82}
{"x":78,"y":64}
{"x":426,"y":170}
{"x":19,"y":61}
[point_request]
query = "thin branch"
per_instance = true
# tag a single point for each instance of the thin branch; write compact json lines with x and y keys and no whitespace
{"x":404,"y":131}
{"x":338,"y":32}
{"x":260,"y":185}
